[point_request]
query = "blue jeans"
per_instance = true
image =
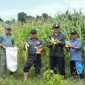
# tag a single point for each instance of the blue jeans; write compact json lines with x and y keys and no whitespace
{"x":3,"y":62}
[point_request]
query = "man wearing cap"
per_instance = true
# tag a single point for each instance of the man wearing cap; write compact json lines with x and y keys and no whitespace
{"x":75,"y":55}
{"x":34,"y":56}
{"x":6,"y":40}
{"x":56,"y":51}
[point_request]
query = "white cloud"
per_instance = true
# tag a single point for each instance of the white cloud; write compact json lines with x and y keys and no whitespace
{"x":77,"y":5}
{"x":51,"y":9}
{"x":8,"y":14}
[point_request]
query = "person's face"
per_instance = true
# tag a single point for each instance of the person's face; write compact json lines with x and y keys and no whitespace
{"x":33,"y":36}
{"x":8,"y":31}
{"x":56,"y":31}
{"x":73,"y":37}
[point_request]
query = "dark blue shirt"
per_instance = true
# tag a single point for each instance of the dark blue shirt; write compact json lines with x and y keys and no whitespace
{"x":32,"y":45}
{"x":58,"y":50}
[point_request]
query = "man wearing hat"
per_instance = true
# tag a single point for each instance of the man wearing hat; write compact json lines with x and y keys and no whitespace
{"x":6,"y":40}
{"x":56,"y":50}
{"x":75,"y":55}
{"x":34,"y":54}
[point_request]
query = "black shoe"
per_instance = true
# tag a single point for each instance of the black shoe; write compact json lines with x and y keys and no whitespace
{"x":81,"y":76}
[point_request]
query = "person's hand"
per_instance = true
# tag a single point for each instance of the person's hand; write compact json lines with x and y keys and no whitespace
{"x":39,"y":49}
{"x":59,"y":42}
{"x":71,"y":46}
{"x":1,"y":45}
{"x":51,"y":43}
{"x":13,"y":45}
{"x":67,"y":44}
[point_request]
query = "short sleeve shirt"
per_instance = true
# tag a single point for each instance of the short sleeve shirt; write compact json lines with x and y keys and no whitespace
{"x":32,"y":45}
{"x":6,"y":40}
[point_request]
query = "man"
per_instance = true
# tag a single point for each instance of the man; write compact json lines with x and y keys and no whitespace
{"x":56,"y":50}
{"x":75,"y":55}
{"x":34,"y":49}
{"x":6,"y":40}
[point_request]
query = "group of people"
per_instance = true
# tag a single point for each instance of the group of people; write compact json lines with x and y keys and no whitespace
{"x":56,"y":44}
{"x":34,"y":48}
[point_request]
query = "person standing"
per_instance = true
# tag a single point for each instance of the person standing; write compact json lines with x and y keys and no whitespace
{"x":76,"y":66}
{"x":6,"y":40}
{"x":57,"y":57}
{"x":34,"y":47}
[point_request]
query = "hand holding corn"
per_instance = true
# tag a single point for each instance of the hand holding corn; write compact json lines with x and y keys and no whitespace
{"x":39,"y":49}
{"x":54,"y":41}
{"x":67,"y":44}
{"x":26,"y":45}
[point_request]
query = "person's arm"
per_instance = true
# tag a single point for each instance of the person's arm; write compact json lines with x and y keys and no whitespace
{"x":50,"y":45}
{"x":1,"y":46}
{"x":13,"y":42}
{"x":26,"y":46}
{"x":78,"y":46}
{"x":62,"y":42}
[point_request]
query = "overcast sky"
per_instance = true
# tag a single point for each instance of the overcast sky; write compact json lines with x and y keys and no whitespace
{"x":10,"y":8}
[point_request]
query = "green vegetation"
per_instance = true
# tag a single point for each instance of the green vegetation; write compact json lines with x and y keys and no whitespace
{"x":21,"y":32}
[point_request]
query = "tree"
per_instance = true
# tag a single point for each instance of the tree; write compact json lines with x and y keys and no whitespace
{"x":37,"y":17}
{"x":45,"y":16}
{"x":1,"y":20}
{"x":22,"y":17}
{"x":30,"y":17}
{"x":8,"y":22}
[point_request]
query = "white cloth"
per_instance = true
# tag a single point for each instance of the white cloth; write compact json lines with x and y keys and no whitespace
{"x":11,"y":58}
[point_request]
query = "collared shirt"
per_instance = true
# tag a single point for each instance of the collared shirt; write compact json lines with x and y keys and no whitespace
{"x":6,"y":40}
{"x":58,"y":50}
{"x":32,"y":45}
{"x":76,"y":54}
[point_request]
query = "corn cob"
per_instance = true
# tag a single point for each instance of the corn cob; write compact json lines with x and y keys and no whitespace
{"x":67,"y":44}
{"x":39,"y":49}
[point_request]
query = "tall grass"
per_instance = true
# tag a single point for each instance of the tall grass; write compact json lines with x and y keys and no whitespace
{"x":21,"y":32}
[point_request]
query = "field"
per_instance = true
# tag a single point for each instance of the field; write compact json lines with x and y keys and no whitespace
{"x":21,"y":32}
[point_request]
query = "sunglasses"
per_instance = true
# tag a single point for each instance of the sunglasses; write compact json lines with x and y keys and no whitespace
{"x":8,"y":29}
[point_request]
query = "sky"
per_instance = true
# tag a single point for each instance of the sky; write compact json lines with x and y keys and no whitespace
{"x":10,"y":8}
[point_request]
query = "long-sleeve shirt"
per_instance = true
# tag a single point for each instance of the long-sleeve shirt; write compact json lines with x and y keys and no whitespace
{"x":74,"y":53}
{"x":58,"y":50}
